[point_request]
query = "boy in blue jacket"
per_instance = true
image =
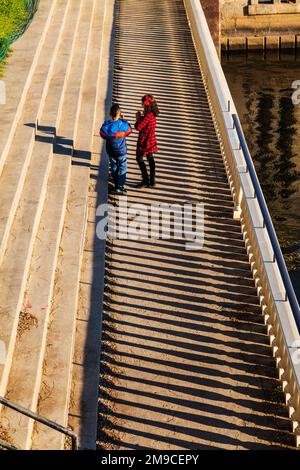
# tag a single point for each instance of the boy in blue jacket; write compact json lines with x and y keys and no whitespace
{"x":115,"y":131}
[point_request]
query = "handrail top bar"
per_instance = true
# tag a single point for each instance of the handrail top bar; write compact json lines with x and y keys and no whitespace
{"x":220,"y":83}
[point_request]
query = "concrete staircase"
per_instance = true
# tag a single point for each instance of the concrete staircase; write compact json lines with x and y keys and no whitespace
{"x":44,"y":194}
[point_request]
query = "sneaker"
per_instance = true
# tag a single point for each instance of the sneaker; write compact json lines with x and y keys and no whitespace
{"x":142,"y":184}
{"x":121,"y":191}
{"x":111,"y":189}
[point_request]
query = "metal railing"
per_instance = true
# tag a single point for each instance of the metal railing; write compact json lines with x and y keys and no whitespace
{"x":40,"y":419}
{"x":278,"y":300}
{"x":290,"y":292}
{"x":6,"y":445}
{"x":31,"y":7}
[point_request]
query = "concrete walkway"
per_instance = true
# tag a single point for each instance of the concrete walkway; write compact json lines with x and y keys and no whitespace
{"x":186,"y":362}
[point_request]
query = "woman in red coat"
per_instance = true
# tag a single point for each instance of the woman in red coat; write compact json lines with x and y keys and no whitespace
{"x":147,"y":143}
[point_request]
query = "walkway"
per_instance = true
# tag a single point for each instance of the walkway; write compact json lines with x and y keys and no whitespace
{"x":186,"y":362}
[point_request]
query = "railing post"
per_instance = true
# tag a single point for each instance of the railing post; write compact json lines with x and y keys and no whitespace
{"x":237,"y":210}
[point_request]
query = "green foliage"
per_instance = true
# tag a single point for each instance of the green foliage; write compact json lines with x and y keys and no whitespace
{"x":13,"y":13}
{"x":15,"y":16}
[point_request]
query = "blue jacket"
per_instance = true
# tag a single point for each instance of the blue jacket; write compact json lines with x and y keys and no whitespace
{"x":115,"y":133}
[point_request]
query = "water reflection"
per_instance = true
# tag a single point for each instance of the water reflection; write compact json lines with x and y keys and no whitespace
{"x":262,"y":90}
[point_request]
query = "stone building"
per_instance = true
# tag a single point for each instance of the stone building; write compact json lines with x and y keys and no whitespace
{"x":254,"y":24}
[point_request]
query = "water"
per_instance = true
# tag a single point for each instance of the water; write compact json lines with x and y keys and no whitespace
{"x":262,"y":90}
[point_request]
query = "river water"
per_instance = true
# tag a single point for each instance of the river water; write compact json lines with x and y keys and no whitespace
{"x":262,"y":90}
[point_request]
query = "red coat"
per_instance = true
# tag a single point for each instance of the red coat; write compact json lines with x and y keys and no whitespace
{"x":147,"y":142}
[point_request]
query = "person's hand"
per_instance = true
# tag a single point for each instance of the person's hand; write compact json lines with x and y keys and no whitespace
{"x":138,"y":115}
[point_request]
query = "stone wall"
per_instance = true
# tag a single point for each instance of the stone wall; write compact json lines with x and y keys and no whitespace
{"x":242,"y":17}
{"x":232,"y":26}
{"x":233,"y":8}
{"x":249,"y":24}
{"x":274,"y":7}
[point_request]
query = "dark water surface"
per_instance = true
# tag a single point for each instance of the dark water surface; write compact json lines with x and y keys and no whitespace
{"x":262,"y":91}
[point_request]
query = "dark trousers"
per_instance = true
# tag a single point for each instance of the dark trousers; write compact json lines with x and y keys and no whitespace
{"x":151,"y":161}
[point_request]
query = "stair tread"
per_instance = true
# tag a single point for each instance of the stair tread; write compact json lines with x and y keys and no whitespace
{"x":43,"y":237}
{"x":40,"y":283}
{"x":60,"y":339}
{"x":56,"y":374}
{"x":29,"y":350}
{"x":72,"y":92}
{"x":85,"y":372}
{"x":51,"y":115}
{"x":14,"y":269}
{"x":21,"y":64}
{"x":12,"y":177}
{"x":20,"y":220}
{"x":43,"y":274}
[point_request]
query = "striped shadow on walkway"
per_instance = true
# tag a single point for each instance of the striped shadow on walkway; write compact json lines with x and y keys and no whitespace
{"x":186,"y":362}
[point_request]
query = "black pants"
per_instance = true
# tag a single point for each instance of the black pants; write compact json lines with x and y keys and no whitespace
{"x":151,"y":161}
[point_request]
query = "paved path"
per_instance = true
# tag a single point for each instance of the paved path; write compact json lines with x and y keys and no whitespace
{"x":186,"y":362}
{"x":52,"y":363}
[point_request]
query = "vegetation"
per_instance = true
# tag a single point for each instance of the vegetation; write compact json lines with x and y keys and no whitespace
{"x":15,"y":16}
{"x":13,"y":13}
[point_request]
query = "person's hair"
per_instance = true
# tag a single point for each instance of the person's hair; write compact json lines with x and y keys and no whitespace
{"x":114,"y":110}
{"x":152,"y":107}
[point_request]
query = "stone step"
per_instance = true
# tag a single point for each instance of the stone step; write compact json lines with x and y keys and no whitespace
{"x":25,"y":375}
{"x":14,"y":172}
{"x":83,"y":410}
{"x":26,"y":56}
{"x":31,"y":342}
{"x":60,"y":340}
{"x":15,"y":265}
